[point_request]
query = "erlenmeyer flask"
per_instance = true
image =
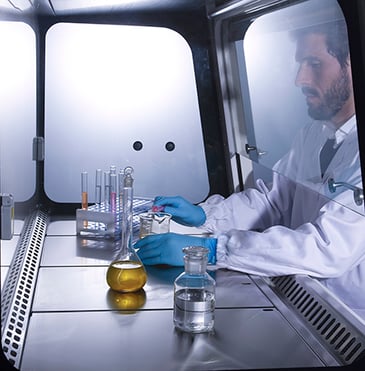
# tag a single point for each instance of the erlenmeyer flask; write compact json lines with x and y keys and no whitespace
{"x":126,"y":273}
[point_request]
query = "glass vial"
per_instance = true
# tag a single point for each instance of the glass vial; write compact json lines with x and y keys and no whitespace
{"x":194,"y":293}
{"x":84,"y":190}
{"x":84,"y":193}
{"x":98,"y":181}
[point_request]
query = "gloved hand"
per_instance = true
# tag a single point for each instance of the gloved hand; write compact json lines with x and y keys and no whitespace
{"x":166,"y":248}
{"x":182,"y":211}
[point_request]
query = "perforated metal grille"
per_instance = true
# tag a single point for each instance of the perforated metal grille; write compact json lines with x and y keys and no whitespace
{"x":18,"y":289}
{"x":342,"y":338}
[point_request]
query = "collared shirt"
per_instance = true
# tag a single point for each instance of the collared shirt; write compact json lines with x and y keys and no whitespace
{"x":345,"y":129}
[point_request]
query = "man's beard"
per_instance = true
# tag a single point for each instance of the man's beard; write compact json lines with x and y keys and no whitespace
{"x":334,"y":99}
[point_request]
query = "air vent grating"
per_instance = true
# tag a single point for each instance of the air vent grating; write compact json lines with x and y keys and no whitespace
{"x":341,"y":337}
{"x":19,"y":286}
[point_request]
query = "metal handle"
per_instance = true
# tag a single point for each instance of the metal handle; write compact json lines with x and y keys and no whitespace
{"x":249,"y":148}
{"x":358,"y":193}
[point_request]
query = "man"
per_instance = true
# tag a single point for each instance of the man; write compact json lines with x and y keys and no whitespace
{"x":325,"y":73}
{"x":291,"y":228}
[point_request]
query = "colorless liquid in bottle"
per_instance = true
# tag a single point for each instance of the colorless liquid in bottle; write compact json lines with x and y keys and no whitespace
{"x":194,"y":310}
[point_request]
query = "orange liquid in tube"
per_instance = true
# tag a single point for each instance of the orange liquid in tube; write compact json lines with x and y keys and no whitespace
{"x":84,"y":188}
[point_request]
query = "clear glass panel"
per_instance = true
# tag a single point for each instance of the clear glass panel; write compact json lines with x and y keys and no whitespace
{"x":297,"y":76}
{"x":122,"y":95}
{"x":300,"y":89}
{"x":17,"y":109}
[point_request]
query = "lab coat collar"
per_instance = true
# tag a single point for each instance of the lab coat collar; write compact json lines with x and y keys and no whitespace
{"x":340,"y":133}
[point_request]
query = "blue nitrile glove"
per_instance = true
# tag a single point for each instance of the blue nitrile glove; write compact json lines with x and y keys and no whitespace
{"x":166,"y":248}
{"x":182,"y":211}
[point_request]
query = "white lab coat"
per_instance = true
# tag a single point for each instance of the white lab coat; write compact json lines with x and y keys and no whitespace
{"x":292,"y":227}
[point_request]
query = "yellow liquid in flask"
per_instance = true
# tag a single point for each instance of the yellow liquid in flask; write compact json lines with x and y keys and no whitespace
{"x":126,"y":276}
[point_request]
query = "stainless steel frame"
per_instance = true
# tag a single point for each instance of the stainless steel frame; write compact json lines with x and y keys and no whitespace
{"x":317,"y":313}
{"x":19,"y":286}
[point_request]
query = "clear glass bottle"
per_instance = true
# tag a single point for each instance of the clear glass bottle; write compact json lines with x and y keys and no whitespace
{"x":194,"y":293}
{"x":126,"y":273}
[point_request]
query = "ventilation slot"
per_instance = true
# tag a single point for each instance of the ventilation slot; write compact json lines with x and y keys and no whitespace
{"x":19,"y":286}
{"x":344,"y":341}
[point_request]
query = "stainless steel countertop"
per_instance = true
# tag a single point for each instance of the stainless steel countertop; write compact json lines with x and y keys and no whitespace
{"x":146,"y":340}
{"x":78,"y":323}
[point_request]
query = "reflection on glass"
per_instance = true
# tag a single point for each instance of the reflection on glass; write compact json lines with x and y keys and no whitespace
{"x":302,"y":99}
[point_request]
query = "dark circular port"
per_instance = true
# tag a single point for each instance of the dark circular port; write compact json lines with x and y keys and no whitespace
{"x":137,"y":145}
{"x":170,"y":146}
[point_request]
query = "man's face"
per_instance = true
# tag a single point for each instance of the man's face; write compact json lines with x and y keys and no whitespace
{"x":327,"y":86}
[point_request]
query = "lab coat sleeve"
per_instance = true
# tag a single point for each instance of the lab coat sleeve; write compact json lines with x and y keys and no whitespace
{"x":326,"y":248}
{"x":253,"y":209}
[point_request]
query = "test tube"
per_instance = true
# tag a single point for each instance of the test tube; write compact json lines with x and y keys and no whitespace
{"x":113,"y":192}
{"x":121,"y":186}
{"x":84,"y":191}
{"x":98,"y":188}
{"x":107,"y":190}
{"x":113,"y":169}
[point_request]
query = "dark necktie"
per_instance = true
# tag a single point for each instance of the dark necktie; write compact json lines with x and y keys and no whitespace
{"x":326,"y":155}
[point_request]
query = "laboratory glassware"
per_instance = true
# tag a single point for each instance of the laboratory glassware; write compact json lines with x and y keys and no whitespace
{"x":154,"y":223}
{"x":98,"y":181}
{"x":126,"y":273}
{"x":84,"y":190}
{"x":107,"y":190}
{"x":113,"y":192}
{"x":194,"y":293}
{"x":84,"y":193}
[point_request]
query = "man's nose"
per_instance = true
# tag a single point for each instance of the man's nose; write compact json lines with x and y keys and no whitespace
{"x":303,"y":77}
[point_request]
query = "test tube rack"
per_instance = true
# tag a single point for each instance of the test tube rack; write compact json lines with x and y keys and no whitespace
{"x":99,"y":221}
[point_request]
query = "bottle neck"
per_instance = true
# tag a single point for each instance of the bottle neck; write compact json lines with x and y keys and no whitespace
{"x":195,"y":266}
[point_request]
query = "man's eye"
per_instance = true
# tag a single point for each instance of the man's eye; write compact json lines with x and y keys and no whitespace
{"x":315,"y":64}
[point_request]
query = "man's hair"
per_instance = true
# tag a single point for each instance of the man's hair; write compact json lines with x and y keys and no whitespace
{"x":336,"y":38}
